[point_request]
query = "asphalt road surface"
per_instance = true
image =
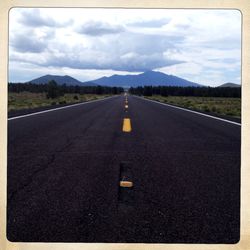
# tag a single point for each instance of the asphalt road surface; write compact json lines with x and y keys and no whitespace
{"x":84,"y":174}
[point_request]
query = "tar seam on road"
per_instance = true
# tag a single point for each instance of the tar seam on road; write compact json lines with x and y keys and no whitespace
{"x":195,"y":112}
{"x":50,"y":110}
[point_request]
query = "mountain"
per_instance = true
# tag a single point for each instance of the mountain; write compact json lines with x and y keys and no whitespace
{"x":229,"y":85}
{"x":68,"y":80}
{"x":153,"y":78}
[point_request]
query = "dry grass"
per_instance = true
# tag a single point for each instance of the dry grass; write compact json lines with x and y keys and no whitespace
{"x":217,"y":105}
{"x":27,"y":100}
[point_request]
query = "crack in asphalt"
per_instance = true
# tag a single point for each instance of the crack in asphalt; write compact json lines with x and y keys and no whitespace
{"x":42,"y":167}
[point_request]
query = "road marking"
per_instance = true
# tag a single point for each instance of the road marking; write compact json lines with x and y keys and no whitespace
{"x":191,"y":111}
{"x":126,"y":125}
{"x":126,"y":184}
{"x":126,"y":106}
{"x":64,"y":107}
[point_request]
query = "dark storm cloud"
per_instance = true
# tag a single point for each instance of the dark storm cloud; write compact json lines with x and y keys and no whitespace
{"x":99,"y":29}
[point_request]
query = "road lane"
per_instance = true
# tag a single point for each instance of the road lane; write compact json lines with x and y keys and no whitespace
{"x":64,"y":172}
{"x":187,"y":174}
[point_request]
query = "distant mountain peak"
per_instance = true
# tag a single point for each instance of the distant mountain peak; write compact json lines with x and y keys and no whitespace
{"x":152,"y":72}
{"x":150,"y":77}
{"x":149,"y":72}
{"x":66,"y":79}
{"x":229,"y":85}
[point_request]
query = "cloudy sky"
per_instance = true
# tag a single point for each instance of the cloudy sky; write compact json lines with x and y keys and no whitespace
{"x":203,"y":46}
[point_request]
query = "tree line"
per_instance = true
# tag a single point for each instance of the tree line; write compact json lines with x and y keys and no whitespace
{"x":186,"y":91}
{"x":54,"y":90}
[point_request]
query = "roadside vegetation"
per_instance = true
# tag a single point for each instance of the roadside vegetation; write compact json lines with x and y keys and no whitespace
{"x":28,"y":100}
{"x":29,"y":96}
{"x":216,"y":105}
{"x":186,"y":91}
{"x":54,"y":90}
{"x":220,"y":101}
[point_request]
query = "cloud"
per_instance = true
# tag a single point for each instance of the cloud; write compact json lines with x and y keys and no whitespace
{"x":145,"y":43}
{"x":131,"y":62}
{"x":135,"y":62}
{"x":156,"y":23}
{"x":123,"y":52}
{"x":34,"y":40}
{"x":94,"y":28}
{"x":34,"y":18}
{"x":25,"y":43}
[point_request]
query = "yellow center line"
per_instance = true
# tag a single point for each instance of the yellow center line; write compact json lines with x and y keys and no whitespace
{"x":126,"y":125}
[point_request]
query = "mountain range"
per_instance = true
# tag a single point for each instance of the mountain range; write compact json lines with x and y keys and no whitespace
{"x":153,"y":78}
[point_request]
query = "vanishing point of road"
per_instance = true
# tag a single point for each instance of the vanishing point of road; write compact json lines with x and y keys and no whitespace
{"x":123,"y":169}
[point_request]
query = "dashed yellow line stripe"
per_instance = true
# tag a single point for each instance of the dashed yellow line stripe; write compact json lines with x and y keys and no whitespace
{"x":126,"y":125}
{"x":126,"y":184}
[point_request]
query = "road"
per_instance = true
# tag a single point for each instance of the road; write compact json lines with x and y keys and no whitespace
{"x":67,"y":168}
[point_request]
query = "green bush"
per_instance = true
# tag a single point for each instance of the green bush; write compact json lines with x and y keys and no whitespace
{"x":204,"y":108}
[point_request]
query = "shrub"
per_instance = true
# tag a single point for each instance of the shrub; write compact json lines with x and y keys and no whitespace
{"x":205,"y":108}
{"x":214,"y":109}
